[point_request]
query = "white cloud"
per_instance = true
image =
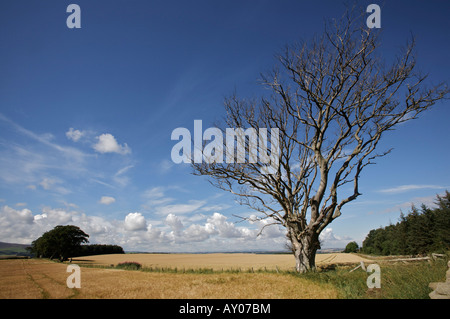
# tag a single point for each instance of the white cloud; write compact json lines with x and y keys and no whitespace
{"x":46,"y":183}
{"x":120,"y":178}
{"x":216,"y":226}
{"x":29,"y":164}
{"x":68,"y":152}
{"x":155,"y":197}
{"x":216,"y":207}
{"x":74,"y":135}
{"x":327,"y":234}
{"x":269,"y":229}
{"x":40,"y":216}
{"x":165,"y":165}
{"x":53,"y":184}
{"x":406,"y":188}
{"x":190,"y":207}
{"x":23,"y":215}
{"x":123,"y":170}
{"x":135,"y":221}
{"x":155,"y":192}
{"x":175,"y":223}
{"x":107,"y":200}
{"x":102,"y":183}
{"x":58,"y":216}
{"x":215,"y":232}
{"x":108,"y":144}
{"x":16,"y":225}
{"x":225,"y":229}
{"x":197,"y":232}
{"x":428,"y":201}
{"x":21,"y":226}
{"x":331,"y":240}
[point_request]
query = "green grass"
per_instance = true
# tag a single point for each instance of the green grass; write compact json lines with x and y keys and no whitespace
{"x":398,"y":281}
{"x":12,"y":251}
{"x":411,"y":281}
{"x":129,"y":265}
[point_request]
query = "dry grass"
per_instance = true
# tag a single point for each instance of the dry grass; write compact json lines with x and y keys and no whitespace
{"x":98,"y":283}
{"x":195,"y":261}
{"x":44,"y":279}
{"x":216,"y":261}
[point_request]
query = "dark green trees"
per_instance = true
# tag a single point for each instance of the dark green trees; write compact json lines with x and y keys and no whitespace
{"x":352,"y":247}
{"x":98,"y":249}
{"x":61,"y":242}
{"x":421,"y":231}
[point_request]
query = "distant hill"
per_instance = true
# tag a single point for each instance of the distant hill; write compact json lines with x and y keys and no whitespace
{"x":12,"y":249}
{"x":330,"y":250}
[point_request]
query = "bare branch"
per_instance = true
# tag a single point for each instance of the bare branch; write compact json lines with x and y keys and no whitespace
{"x":332,"y":99}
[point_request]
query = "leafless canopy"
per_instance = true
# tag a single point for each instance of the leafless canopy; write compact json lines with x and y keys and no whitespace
{"x":332,"y":99}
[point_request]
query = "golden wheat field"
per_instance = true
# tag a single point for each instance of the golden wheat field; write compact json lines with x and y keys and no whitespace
{"x":41,"y":279}
{"x":218,"y":261}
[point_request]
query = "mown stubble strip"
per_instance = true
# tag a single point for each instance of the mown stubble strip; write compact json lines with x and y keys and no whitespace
{"x":34,"y":279}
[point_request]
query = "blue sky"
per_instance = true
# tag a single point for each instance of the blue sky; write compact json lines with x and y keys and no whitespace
{"x":86,"y":117}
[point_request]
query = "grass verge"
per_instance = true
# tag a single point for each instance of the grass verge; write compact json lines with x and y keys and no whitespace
{"x":398,"y":281}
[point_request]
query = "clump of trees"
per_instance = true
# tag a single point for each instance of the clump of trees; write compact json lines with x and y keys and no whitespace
{"x":352,"y":247}
{"x":63,"y":242}
{"x":421,"y":231}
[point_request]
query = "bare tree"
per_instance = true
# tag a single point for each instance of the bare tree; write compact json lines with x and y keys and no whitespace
{"x":331,"y":99}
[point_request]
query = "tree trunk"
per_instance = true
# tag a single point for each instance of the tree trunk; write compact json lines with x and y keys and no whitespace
{"x":304,"y":249}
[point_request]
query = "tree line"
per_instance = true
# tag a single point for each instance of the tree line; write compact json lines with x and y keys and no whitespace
{"x":63,"y":242}
{"x":98,"y":249}
{"x":423,"y":230}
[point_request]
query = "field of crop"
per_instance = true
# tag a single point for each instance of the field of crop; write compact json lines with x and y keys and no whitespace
{"x":217,"y":262}
{"x":218,"y":276}
{"x":34,"y":278}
